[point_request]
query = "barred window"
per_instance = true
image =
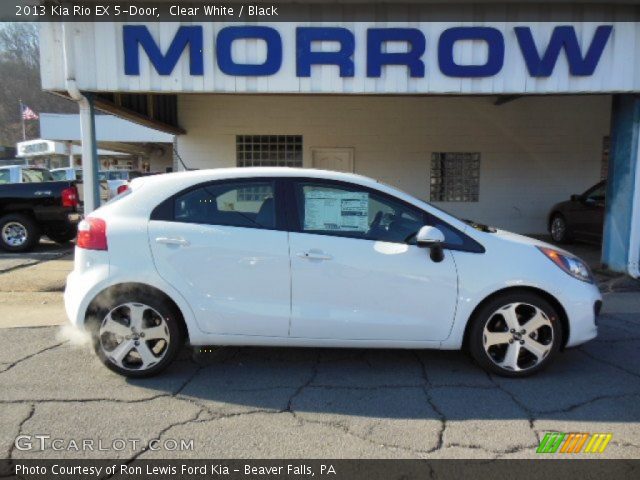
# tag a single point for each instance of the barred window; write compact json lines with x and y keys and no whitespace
{"x":266,"y":151}
{"x":455,"y":177}
{"x":269,"y":150}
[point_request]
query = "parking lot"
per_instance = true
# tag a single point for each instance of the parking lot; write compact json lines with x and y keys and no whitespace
{"x":269,"y":402}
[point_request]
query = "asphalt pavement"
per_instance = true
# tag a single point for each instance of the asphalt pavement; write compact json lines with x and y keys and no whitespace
{"x":307,"y":403}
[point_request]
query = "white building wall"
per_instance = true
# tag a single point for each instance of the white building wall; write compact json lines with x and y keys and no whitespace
{"x":535,"y":151}
{"x":98,"y":53}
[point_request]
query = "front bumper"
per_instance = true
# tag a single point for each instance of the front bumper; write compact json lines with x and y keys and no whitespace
{"x":581,"y":301}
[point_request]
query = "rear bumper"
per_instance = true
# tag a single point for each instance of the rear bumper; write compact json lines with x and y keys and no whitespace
{"x":91,"y":269}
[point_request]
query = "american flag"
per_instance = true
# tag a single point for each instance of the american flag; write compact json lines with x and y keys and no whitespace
{"x":28,"y":114}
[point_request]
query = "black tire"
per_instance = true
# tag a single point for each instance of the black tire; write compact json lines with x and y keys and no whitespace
{"x":559,"y":229}
{"x":20,"y":221}
{"x":168,"y":312}
{"x":550,"y":336}
{"x":62,"y":237}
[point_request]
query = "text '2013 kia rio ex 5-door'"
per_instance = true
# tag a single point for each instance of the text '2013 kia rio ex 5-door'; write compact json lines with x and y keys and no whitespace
{"x":308,"y":258}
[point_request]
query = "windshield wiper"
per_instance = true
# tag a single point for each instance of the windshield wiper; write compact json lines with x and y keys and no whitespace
{"x":480,"y":226}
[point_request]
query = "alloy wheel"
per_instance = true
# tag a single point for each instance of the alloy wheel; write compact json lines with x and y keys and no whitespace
{"x":134,"y":336}
{"x":518,"y":336}
{"x":14,"y":234}
{"x":558,"y":229}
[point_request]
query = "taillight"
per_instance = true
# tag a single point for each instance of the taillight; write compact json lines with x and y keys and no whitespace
{"x":92,"y":234}
{"x":122,"y":188}
{"x":70,"y":197}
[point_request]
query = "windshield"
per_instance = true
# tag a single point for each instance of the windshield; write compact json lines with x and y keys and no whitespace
{"x":34,"y":175}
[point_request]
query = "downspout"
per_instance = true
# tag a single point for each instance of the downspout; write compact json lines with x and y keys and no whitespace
{"x":633,"y":264}
{"x":90,"y":184}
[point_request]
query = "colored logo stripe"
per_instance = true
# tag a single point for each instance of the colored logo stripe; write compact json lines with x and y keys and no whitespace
{"x":598,"y":443}
{"x":551,"y":442}
{"x":573,"y":442}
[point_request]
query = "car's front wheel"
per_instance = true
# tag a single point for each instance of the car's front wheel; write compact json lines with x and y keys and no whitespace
{"x":560,"y":229}
{"x":515,"y":334}
{"x":136,"y":334}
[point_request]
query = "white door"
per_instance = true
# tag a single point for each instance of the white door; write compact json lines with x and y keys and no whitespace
{"x":222,"y":252}
{"x":337,"y":159}
{"x":355,"y":277}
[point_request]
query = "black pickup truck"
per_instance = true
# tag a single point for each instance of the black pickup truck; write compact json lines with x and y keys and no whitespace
{"x":30,"y":210}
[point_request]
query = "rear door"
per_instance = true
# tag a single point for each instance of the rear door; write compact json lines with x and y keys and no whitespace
{"x":222,"y":245}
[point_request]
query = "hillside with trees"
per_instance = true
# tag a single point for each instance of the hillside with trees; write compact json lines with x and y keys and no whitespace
{"x":20,"y":79}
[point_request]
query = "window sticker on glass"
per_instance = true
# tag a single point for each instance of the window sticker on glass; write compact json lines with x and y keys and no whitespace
{"x":336,"y":211}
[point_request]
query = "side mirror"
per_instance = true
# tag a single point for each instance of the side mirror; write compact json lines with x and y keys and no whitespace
{"x":575,"y":197}
{"x":429,"y":236}
{"x":432,"y":238}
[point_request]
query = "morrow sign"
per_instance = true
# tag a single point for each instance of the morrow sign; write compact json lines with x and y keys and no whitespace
{"x":540,"y":59}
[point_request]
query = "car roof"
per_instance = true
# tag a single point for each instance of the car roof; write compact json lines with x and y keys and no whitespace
{"x":211,"y":174}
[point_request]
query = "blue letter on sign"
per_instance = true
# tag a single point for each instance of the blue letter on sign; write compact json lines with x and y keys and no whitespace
{"x":342,"y":58}
{"x":228,"y":35}
{"x":376,"y":58}
{"x":562,"y":37}
{"x":495,"y":57}
{"x":134,"y":35}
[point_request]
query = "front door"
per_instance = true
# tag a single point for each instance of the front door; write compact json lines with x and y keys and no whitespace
{"x":337,"y":159}
{"x":219,"y":245}
{"x":354,"y":273}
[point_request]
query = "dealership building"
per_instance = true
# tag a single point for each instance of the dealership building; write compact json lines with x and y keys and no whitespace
{"x":493,"y":112}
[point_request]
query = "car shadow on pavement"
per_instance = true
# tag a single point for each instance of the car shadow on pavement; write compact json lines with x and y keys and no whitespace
{"x":599,"y":381}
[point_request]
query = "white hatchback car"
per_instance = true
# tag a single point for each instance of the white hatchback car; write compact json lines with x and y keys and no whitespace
{"x":309,"y":258}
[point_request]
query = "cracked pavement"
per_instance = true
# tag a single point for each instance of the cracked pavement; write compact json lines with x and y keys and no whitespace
{"x":322,"y":403}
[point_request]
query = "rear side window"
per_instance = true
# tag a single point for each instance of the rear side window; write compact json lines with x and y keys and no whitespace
{"x":5,"y":176}
{"x":238,"y":204}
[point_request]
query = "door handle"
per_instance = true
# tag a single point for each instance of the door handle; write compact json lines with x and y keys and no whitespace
{"x":314,"y":255}
{"x":172,"y":241}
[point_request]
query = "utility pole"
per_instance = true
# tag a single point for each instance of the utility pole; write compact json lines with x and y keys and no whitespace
{"x":24,"y":129}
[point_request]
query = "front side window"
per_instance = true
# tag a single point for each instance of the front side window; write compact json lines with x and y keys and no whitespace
{"x":59,"y":175}
{"x":354,"y":211}
{"x":229,"y":204}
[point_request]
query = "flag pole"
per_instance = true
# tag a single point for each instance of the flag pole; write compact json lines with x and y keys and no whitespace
{"x":24,"y":130}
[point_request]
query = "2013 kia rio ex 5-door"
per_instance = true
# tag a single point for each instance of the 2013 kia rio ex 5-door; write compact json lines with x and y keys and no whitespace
{"x":310,"y":258}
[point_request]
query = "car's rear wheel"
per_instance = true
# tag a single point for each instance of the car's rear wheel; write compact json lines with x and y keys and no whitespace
{"x":18,"y":233}
{"x":560,"y":229}
{"x":515,"y":334}
{"x":137,"y":334}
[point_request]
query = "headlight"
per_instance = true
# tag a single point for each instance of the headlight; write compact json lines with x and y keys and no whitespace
{"x":570,"y":264}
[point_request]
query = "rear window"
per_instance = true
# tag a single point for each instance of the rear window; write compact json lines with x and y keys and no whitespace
{"x":33,"y":175}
